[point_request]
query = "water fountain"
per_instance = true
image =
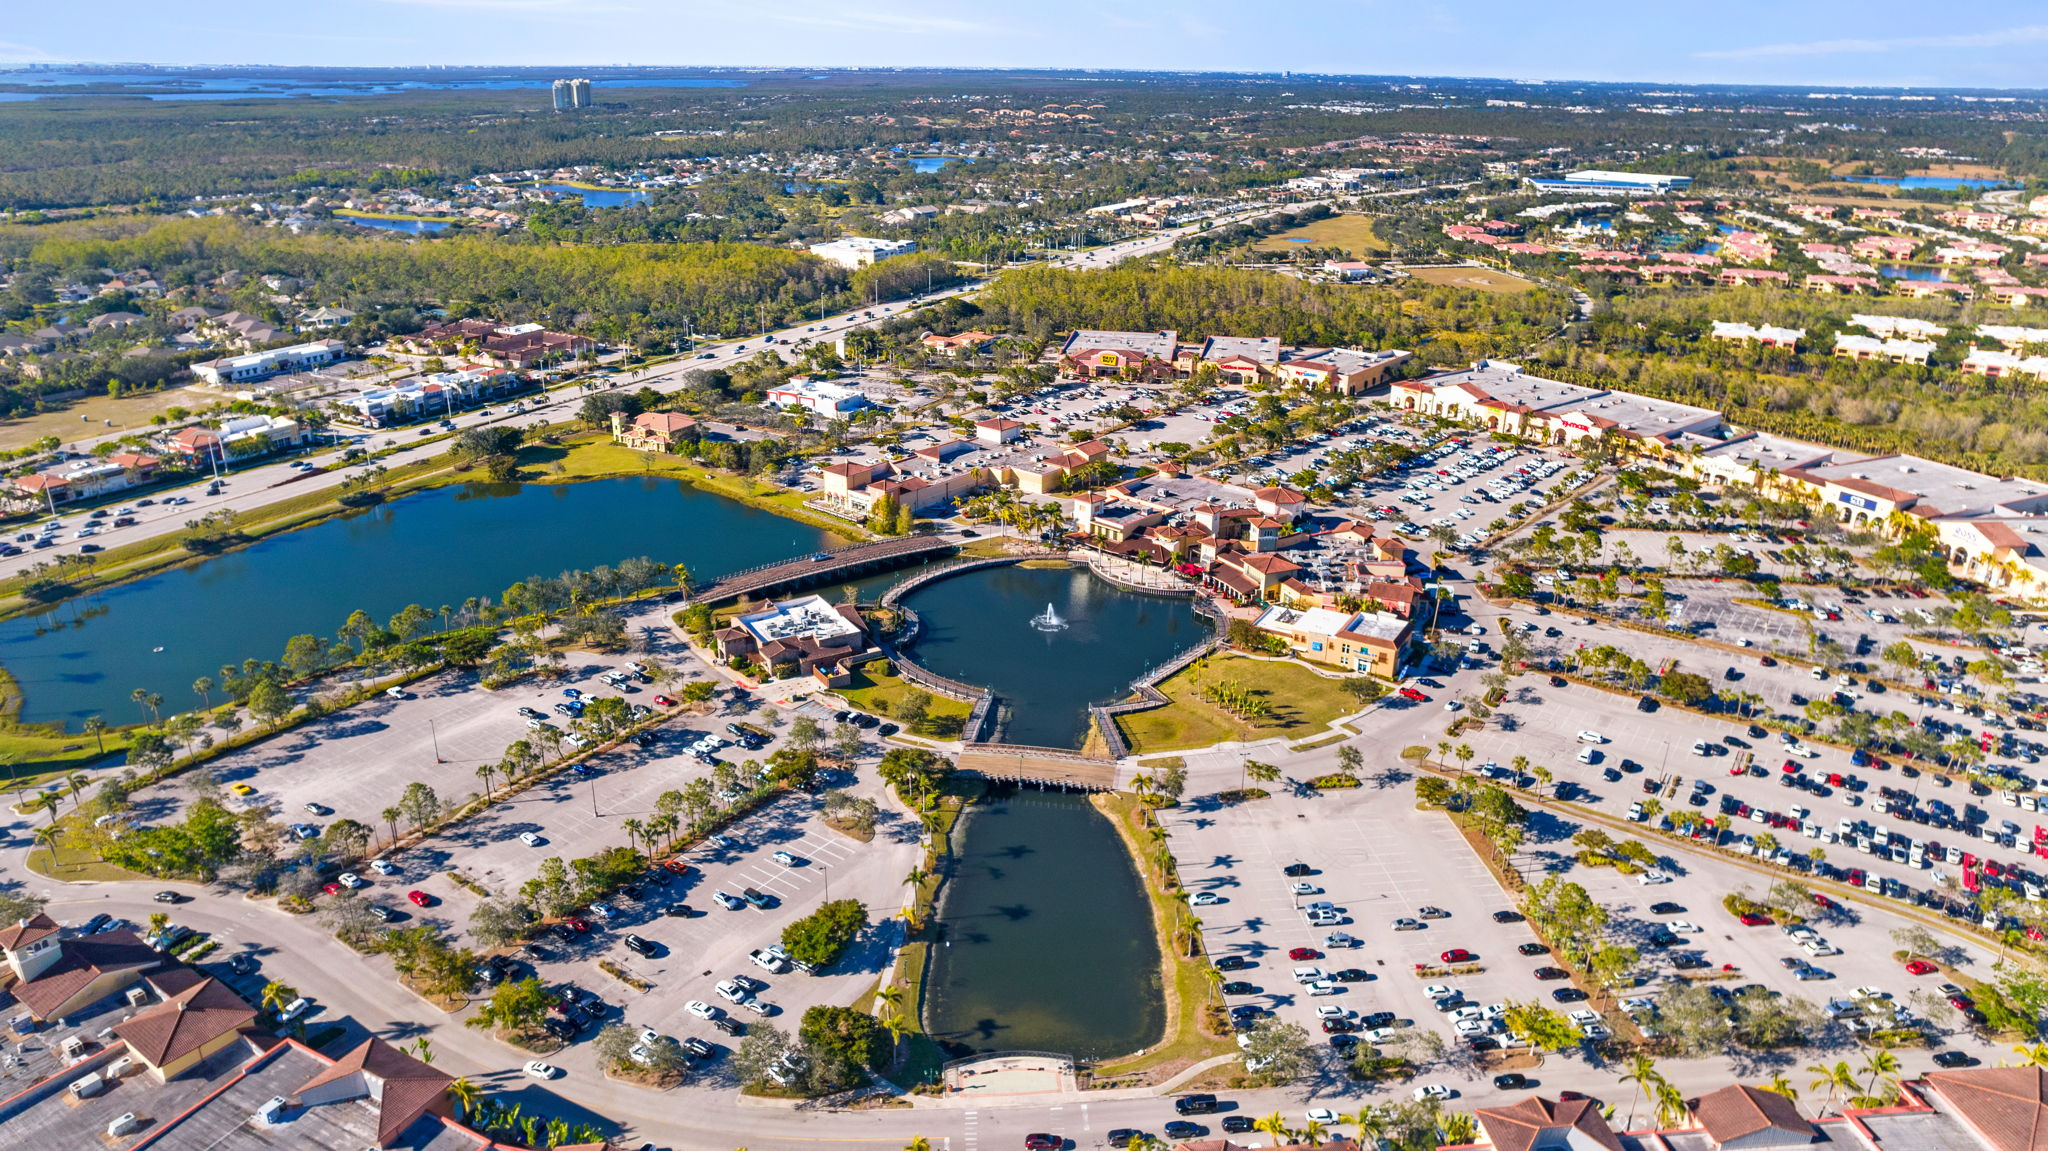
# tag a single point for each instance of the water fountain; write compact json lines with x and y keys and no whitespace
{"x":1048,"y":621}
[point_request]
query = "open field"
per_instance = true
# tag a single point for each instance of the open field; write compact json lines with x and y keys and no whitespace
{"x":879,"y":694}
{"x":1481,"y":279}
{"x":1302,"y":703}
{"x":1354,"y":234}
{"x":89,"y":416}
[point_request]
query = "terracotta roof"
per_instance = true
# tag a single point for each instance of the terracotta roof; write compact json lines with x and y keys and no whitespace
{"x":998,"y":425}
{"x":1524,"y":1125}
{"x":667,"y":423}
{"x":19,"y":935}
{"x":1280,"y":495}
{"x":1270,"y":564}
{"x":2006,"y":1106}
{"x":1736,"y":1111}
{"x":186,"y":1022}
{"x":82,"y":962}
{"x":411,"y":1088}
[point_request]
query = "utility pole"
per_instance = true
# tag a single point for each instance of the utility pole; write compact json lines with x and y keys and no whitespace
{"x":436,"y":737}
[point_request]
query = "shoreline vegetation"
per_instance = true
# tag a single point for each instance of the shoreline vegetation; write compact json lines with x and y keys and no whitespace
{"x":359,"y":214}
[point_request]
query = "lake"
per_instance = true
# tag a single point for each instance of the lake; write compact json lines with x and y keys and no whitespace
{"x":930,"y":164}
{"x":1943,"y":183}
{"x":598,"y":197}
{"x":1911,"y":272}
{"x":978,"y":629}
{"x":1045,"y":934}
{"x":85,"y":656}
{"x":409,"y":227}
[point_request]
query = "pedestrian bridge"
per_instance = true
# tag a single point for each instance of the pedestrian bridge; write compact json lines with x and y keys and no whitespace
{"x":820,"y":568}
{"x":1045,"y":766}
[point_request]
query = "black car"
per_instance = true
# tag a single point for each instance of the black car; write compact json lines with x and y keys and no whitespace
{"x":729,"y":1025}
{"x":1610,"y":775}
{"x":1182,"y":1129}
{"x":697,"y":1049}
{"x":1533,"y":949}
{"x":1507,"y":917}
{"x":1511,"y":1081}
{"x":645,"y":947}
{"x":1689,"y":963}
{"x":1231,"y":963}
{"x":384,"y":914}
{"x":243,"y":964}
{"x":1953,"y":1059}
{"x":1122,"y":1136}
{"x":561,"y":1027}
{"x":1558,"y":681}
{"x":95,"y":923}
{"x":682,"y":911}
{"x":563,"y":932}
{"x":1343,"y":1040}
{"x":1193,"y":1105}
{"x":1646,"y":704}
{"x":1663,"y":937}
{"x":887,"y":729}
{"x":1568,"y":995}
{"x":1352,"y":975}
{"x":537,"y":952}
{"x":1667,"y":908}
{"x":169,"y":897}
{"x":1297,"y":870}
{"x":1239,"y":987}
{"x":1237,"y":1124}
{"x":1551,"y":974}
{"x":632,"y":890}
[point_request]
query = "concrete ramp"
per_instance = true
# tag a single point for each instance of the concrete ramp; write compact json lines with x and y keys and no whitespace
{"x":1044,"y":765}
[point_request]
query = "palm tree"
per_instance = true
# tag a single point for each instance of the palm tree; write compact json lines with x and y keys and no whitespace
{"x":48,"y":837}
{"x":635,"y":831}
{"x":484,"y":771}
{"x":1313,"y":1133}
{"x":423,"y":1050}
{"x":2033,"y":1054}
{"x":276,"y":996}
{"x":76,"y":780}
{"x":45,"y":801}
{"x":1458,"y":1127}
{"x":157,"y":922}
{"x":467,"y":1096}
{"x":1670,"y":1105}
{"x":203,"y":688}
{"x":1215,"y":979}
{"x":1782,"y":1086}
{"x":1836,"y":1078}
{"x":1878,"y":1063}
{"x":96,"y":727}
{"x":1642,"y":1071}
{"x":1275,"y":1126}
{"x":391,"y":815}
{"x":1371,"y":1123}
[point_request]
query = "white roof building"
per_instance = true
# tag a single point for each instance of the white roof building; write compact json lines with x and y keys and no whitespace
{"x":1898,"y":326}
{"x":861,"y":251}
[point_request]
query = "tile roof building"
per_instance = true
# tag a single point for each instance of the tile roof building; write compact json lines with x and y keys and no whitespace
{"x":55,"y":976}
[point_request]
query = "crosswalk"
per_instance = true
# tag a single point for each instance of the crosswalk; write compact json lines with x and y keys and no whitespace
{"x":968,"y":1140}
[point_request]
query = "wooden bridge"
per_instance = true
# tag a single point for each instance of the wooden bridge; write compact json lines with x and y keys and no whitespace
{"x":1044,"y":766}
{"x":819,"y":568}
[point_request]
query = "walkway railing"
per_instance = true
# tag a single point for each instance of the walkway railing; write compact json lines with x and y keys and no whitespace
{"x":897,"y":591}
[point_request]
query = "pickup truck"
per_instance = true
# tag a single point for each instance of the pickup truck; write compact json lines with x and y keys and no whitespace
{"x":768,"y":961}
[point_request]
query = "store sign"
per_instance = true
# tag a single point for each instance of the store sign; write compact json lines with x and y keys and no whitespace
{"x":1854,"y":501}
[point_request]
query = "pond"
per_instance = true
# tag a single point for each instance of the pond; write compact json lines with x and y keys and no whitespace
{"x":987,"y":627}
{"x":932,"y":163}
{"x":409,"y":227}
{"x":598,"y":197}
{"x":84,"y":657}
{"x":1045,"y":934}
{"x":1912,"y":272}
{"x":1942,"y":183}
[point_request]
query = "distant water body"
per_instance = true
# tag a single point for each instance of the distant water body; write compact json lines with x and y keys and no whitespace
{"x":180,"y":85}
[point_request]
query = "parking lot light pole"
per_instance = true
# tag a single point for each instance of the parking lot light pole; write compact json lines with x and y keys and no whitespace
{"x":593,"y":795}
{"x":436,"y":737}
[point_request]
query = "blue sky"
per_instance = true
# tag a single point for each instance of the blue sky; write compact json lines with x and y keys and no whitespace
{"x":1997,"y":43}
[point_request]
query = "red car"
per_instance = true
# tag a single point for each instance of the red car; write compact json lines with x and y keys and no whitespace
{"x":1302,"y":953}
{"x":1790,"y":768}
{"x":1921,"y":967}
{"x":1753,"y":919}
{"x":664,"y":701}
{"x":1411,"y":693}
{"x":1039,"y":1141}
{"x":577,"y":922}
{"x":330,"y":888}
{"x":420,"y":898}
{"x":1457,"y":955}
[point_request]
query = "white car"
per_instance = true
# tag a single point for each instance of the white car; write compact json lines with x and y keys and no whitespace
{"x":1205,"y":899}
{"x":1431,"y":1091}
{"x":1332,"y":1011}
{"x":1339,"y":941}
{"x":350,"y":880}
{"x":383,"y":867}
{"x":1685,"y":927}
{"x":730,"y":992}
{"x":1652,"y":878}
{"x":1469,"y":1026}
{"x":1591,"y":737}
{"x":1870,"y":993}
{"x":293,"y":1010}
{"x":1324,"y":987}
{"x":539,"y":1069}
{"x":1309,"y":974}
{"x":702,"y":1010}
{"x":1322,"y":1115}
{"x":1440,"y":991}
{"x":1464,"y":1014}
{"x":529,"y":839}
{"x":1304,"y":889}
{"x":785,"y":859}
{"x":1583,"y":1016}
{"x":1588,"y":755}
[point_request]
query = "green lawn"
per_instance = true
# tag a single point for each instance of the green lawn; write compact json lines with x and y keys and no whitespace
{"x":1354,"y":234}
{"x":1303,"y":703}
{"x":878,"y":694}
{"x":597,"y":456}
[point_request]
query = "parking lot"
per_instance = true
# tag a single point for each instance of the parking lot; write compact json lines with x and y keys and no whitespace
{"x":1377,"y":859}
{"x":358,"y":762}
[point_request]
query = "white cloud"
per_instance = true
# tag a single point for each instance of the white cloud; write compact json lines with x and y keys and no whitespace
{"x":885,"y":22}
{"x":2031,"y":34}
{"x":13,"y":53}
